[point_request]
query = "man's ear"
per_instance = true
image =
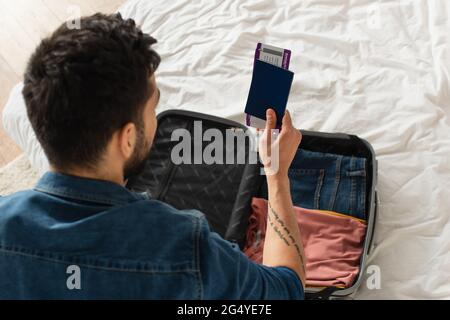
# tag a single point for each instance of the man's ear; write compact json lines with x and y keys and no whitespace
{"x":127,"y":139}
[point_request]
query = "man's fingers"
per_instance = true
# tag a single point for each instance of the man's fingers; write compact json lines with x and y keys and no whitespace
{"x":287,"y":121}
{"x":271,"y":119}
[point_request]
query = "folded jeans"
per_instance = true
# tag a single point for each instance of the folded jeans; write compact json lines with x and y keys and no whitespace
{"x":330,"y":182}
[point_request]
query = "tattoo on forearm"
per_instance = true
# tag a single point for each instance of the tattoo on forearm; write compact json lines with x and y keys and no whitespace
{"x":286,"y":231}
{"x":278,"y":232}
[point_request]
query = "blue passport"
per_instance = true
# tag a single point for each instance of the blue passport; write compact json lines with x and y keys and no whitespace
{"x":270,"y":88}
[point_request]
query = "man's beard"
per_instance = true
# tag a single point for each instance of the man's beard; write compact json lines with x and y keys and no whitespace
{"x":138,"y":159}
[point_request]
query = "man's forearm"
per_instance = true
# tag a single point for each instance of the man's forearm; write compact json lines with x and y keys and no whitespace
{"x":283,"y":246}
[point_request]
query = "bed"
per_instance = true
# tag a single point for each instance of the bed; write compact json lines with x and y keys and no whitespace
{"x":380,"y":70}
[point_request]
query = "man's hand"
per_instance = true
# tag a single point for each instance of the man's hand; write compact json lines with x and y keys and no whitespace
{"x":285,"y":143}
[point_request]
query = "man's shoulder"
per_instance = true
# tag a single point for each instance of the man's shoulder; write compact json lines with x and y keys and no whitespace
{"x":164,"y":210}
{"x":16,"y":195}
{"x":15,"y":199}
{"x":158,"y":231}
{"x":143,"y":207}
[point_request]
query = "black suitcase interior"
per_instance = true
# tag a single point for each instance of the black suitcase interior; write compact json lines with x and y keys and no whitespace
{"x":223,"y":192}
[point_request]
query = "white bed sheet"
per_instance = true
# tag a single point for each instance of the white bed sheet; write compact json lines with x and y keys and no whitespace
{"x":379,"y":70}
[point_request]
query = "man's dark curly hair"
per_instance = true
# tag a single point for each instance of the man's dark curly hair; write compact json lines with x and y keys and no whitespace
{"x":82,"y":85}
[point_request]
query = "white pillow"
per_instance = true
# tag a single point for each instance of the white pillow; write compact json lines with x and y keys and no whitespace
{"x":18,"y":127}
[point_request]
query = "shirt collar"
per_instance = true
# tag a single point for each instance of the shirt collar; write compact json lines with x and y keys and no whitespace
{"x":91,"y":190}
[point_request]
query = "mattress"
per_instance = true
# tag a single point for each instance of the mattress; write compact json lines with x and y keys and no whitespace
{"x":380,"y":70}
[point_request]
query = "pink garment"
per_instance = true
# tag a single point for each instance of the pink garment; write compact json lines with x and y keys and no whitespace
{"x":333,"y":243}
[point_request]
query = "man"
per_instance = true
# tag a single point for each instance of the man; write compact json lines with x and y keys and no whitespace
{"x":91,"y":96}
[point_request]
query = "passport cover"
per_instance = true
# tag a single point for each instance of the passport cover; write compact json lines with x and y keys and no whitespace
{"x":270,"y":88}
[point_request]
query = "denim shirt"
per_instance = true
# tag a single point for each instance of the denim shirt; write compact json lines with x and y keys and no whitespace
{"x":76,"y":238}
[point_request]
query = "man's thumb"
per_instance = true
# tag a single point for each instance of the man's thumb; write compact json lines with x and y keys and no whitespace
{"x":271,"y":119}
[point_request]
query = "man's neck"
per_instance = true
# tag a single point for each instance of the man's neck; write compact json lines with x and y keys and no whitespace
{"x":104,"y":175}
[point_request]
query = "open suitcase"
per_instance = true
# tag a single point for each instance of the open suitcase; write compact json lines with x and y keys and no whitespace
{"x":223,"y":192}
